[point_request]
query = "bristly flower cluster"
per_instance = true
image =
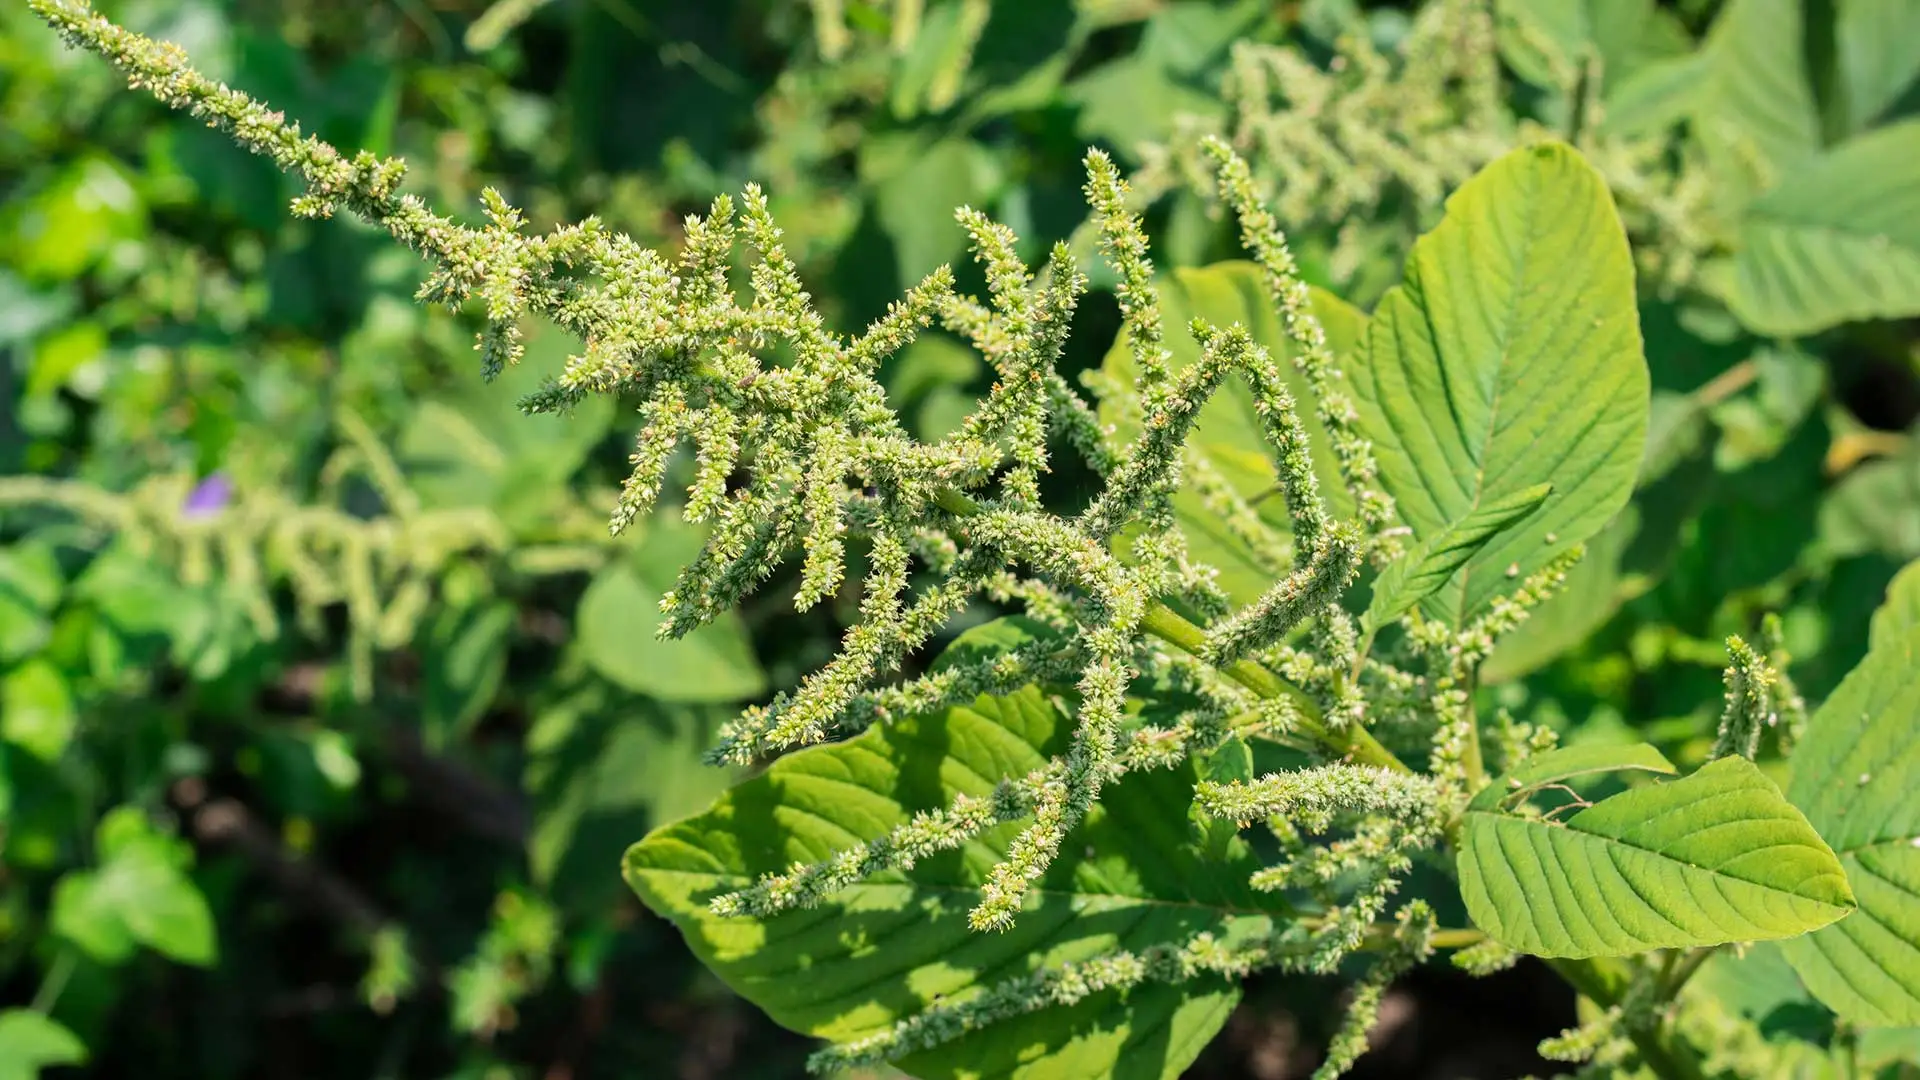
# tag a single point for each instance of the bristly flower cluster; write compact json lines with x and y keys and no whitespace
{"x":251,"y":538}
{"x":799,"y":454}
{"x":1367,"y":142}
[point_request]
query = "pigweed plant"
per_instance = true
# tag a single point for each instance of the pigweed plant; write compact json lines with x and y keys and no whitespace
{"x":249,"y":538}
{"x":1371,"y":143}
{"x":1312,"y":525}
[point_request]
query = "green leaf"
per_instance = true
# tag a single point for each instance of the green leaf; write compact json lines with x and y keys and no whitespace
{"x":1559,"y":766}
{"x":1426,"y":569}
{"x":475,"y":448}
{"x":1715,"y":857}
{"x":1854,"y":775}
{"x":1142,"y":96}
{"x":1756,"y":117}
{"x":464,"y":657}
{"x":1657,"y":96}
{"x":139,"y":894}
{"x":30,"y":1042}
{"x":36,"y":709}
{"x":1510,"y":357}
{"x":915,"y":185}
{"x":1879,"y":46}
{"x":598,"y":779}
{"x":1900,"y":615}
{"x":1837,"y":241}
{"x":1227,"y":436}
{"x":1135,"y":873}
{"x":620,"y":611}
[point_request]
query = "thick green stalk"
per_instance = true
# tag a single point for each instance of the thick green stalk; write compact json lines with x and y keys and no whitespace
{"x":1604,"y":982}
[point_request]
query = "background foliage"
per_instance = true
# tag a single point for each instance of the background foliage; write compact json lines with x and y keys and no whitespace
{"x":341,"y":789}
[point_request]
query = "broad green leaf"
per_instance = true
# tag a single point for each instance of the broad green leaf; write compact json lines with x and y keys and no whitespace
{"x":1545,"y":41}
{"x":1714,"y":857}
{"x":1548,"y":41}
{"x":475,"y":447}
{"x":916,"y":184}
{"x":1837,"y":241}
{"x":1135,"y":873}
{"x":1558,"y":766}
{"x":1855,"y":775}
{"x":1879,"y":47}
{"x":139,"y":894}
{"x":620,"y":612}
{"x":1510,"y":357}
{"x":36,"y":709}
{"x":1657,"y":96}
{"x":464,"y":656}
{"x":31,"y":1041}
{"x":1427,"y":568}
{"x":1227,"y":437}
{"x":1141,"y":97}
{"x":1757,"y":116}
{"x":1900,"y":615}
{"x":600,"y":773}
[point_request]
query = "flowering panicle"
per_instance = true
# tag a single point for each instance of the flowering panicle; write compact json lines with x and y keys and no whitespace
{"x":1366,"y":142}
{"x":1261,"y":234}
{"x":252,"y":538}
{"x":1759,"y":695}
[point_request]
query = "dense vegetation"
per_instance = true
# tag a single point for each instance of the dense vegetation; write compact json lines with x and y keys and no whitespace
{"x":1349,"y":475}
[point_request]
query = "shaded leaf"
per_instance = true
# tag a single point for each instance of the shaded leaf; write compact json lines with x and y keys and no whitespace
{"x":1875,"y":509}
{"x":1757,"y":116}
{"x":620,"y":611}
{"x":1837,"y":241}
{"x":464,"y":657}
{"x":599,"y":776}
{"x":1714,"y":857}
{"x":1879,"y":46}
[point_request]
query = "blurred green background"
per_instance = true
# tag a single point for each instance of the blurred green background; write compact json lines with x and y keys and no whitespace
{"x":326,"y":703}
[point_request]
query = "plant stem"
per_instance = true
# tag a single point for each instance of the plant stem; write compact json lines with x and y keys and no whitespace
{"x":55,"y":982}
{"x":1684,"y":969}
{"x":1352,"y":742}
{"x":1604,"y":982}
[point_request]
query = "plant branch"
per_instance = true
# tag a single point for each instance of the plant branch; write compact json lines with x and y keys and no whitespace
{"x":1355,"y":743}
{"x":1604,"y":981}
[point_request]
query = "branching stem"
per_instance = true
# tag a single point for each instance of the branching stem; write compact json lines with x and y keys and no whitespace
{"x":1353,"y":742}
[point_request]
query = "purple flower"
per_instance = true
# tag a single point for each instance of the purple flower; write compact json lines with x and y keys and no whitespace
{"x":209,"y":497}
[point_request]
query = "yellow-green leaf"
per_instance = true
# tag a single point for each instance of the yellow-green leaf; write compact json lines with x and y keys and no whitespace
{"x":1510,"y":357}
{"x":1715,"y":857}
{"x":1855,"y":776}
